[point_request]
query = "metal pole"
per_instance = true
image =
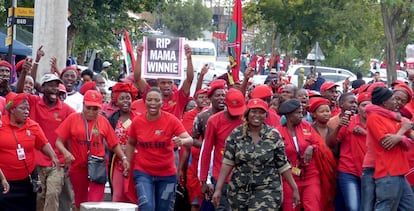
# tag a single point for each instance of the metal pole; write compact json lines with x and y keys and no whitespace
{"x":13,"y":29}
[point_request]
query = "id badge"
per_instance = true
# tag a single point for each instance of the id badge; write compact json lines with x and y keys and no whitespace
{"x":20,"y":153}
{"x":296,"y":171}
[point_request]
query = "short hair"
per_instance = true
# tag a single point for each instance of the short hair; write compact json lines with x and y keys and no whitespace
{"x":155,"y":89}
{"x":87,"y":72}
{"x":344,"y":96}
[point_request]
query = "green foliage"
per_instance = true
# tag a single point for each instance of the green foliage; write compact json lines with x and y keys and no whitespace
{"x":187,"y":19}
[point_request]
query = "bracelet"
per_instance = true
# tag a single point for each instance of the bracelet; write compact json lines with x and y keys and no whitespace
{"x":124,"y":157}
{"x":36,"y":63}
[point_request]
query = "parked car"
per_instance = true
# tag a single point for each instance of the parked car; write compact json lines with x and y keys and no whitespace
{"x":401,"y":75}
{"x":293,"y":71}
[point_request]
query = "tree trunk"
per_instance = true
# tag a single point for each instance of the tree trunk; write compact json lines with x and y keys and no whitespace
{"x":389,"y":30}
{"x":72,"y":31}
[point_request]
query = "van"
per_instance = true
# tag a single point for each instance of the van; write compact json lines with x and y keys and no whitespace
{"x":293,"y":71}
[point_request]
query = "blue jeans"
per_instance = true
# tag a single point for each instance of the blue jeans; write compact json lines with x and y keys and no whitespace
{"x":155,"y":193}
{"x":350,"y":187}
{"x":393,"y":192}
{"x":367,"y":189}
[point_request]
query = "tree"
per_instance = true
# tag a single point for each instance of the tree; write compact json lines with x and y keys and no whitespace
{"x":187,"y":19}
{"x":398,"y":21}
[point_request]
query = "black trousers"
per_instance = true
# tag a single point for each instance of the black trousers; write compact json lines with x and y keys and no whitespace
{"x":20,"y":197}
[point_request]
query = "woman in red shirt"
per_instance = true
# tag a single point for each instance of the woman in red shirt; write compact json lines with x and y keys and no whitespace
{"x":73,"y":131}
{"x":20,"y":137}
{"x":301,"y":140}
{"x":155,"y":135}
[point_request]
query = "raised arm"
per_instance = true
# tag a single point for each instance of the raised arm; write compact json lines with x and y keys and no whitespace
{"x":247,"y":75}
{"x":190,"y":71}
{"x":200,"y":78}
{"x":139,"y":82}
{"x":39,"y":54}
{"x":25,"y":69}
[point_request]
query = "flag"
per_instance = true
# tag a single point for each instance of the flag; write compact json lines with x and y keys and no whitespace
{"x":128,"y":52}
{"x":235,"y":40}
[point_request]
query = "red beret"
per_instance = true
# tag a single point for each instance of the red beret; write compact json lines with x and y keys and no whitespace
{"x":124,"y":87}
{"x":19,"y":65}
{"x":13,"y":100}
{"x":6,"y":64}
{"x":364,"y":96}
{"x":262,"y":91}
{"x":200,"y":91}
{"x":216,"y":84}
{"x":376,"y":84}
{"x":404,"y":87}
{"x":90,"y":85}
{"x":69,"y":68}
{"x":363,"y":88}
{"x":315,"y":102}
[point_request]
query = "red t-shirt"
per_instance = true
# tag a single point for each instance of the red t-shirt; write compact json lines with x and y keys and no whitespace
{"x":175,"y":104}
{"x":335,"y":111}
{"x":353,"y":147}
{"x":272,"y":118}
{"x":72,"y":130}
{"x":109,"y":109}
{"x":138,"y":107}
{"x":30,"y":136}
{"x":394,"y":161}
{"x":188,"y":119}
{"x":305,"y":136}
{"x":154,"y":143}
{"x":217,"y":130}
{"x":49,"y":118}
{"x":2,"y":105}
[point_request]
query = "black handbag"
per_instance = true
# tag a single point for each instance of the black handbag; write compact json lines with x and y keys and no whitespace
{"x":96,"y":164}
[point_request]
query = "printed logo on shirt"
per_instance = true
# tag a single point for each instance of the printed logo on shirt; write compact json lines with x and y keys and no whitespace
{"x":306,"y":132}
{"x":84,"y":142}
{"x":152,"y":145}
{"x":159,"y":132}
{"x":57,"y":118}
{"x":28,"y":133}
{"x":172,"y":102}
{"x":95,"y":132}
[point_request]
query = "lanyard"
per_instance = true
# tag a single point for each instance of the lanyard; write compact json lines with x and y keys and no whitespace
{"x":295,"y":142}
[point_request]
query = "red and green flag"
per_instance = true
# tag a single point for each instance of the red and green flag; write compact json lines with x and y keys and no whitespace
{"x":235,"y":40}
{"x":128,"y":52}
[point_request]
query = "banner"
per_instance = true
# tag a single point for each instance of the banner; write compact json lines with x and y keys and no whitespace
{"x":235,"y":40}
{"x":163,"y":57}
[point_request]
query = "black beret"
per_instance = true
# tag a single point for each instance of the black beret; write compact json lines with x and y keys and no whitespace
{"x":289,"y":106}
{"x":380,"y":95}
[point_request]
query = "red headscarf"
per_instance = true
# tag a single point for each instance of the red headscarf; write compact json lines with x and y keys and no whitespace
{"x":13,"y":100}
{"x":90,"y":85}
{"x":124,"y":87}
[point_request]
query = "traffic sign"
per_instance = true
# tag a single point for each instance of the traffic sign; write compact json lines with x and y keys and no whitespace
{"x":22,"y":12}
{"x":9,"y":36}
{"x":23,"y":21}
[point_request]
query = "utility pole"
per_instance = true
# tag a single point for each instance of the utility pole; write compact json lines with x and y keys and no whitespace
{"x":11,"y":31}
{"x":50,"y":31}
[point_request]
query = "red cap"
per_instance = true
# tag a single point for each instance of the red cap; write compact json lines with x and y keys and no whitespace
{"x":315,"y":102}
{"x":327,"y":86}
{"x":235,"y":102}
{"x":216,"y":84}
{"x":397,"y":82}
{"x":363,"y":88}
{"x":200,"y":91}
{"x":90,"y":85}
{"x":93,"y":98}
{"x":6,"y":64}
{"x":364,"y":96}
{"x":257,"y":103}
{"x":404,"y":87}
{"x":69,"y":68}
{"x":262,"y":91}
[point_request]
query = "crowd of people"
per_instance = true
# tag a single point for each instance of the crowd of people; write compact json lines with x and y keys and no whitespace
{"x":230,"y":146}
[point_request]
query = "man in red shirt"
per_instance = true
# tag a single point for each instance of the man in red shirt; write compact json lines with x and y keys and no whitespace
{"x":391,"y":163}
{"x":328,"y":91}
{"x":174,"y":101}
{"x":49,"y":112}
{"x":219,"y":126}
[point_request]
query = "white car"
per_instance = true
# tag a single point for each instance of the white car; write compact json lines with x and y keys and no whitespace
{"x":293,"y":71}
{"x":401,"y":75}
